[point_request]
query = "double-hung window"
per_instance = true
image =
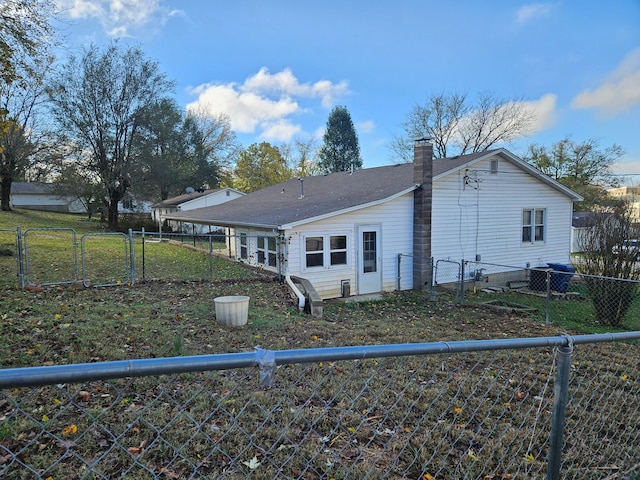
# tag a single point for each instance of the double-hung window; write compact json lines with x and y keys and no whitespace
{"x":533,"y":225}
{"x":267,"y":253}
{"x":244,"y":252}
{"x":325,"y":251}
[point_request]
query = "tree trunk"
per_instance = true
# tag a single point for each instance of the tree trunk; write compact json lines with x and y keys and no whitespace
{"x":5,"y":198}
{"x":113,"y":214}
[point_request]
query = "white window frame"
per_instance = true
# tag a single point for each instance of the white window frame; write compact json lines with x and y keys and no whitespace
{"x":536,"y":226}
{"x":243,"y":243}
{"x":265,"y":255}
{"x":326,"y":252}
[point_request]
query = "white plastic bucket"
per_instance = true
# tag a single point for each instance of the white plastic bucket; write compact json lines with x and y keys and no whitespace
{"x":233,"y":310}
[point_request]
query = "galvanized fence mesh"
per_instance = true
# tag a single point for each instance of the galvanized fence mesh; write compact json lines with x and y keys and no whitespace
{"x":50,"y":256}
{"x":542,"y":292}
{"x":449,"y":412}
{"x":180,"y":256}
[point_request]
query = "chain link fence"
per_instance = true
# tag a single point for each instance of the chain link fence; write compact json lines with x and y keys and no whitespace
{"x":542,"y":291}
{"x":53,"y":256}
{"x":560,"y":407}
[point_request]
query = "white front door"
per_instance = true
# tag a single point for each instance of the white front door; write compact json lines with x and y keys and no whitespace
{"x":369,"y":259}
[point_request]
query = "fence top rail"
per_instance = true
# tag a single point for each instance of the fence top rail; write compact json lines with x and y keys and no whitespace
{"x":551,"y":270}
{"x":268,"y":359}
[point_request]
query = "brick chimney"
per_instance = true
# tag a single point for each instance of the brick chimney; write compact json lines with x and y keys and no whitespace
{"x":423,"y":175}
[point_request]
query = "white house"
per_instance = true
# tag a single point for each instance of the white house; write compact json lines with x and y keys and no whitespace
{"x":42,"y":196}
{"x":378,"y":229}
{"x":191,"y":200}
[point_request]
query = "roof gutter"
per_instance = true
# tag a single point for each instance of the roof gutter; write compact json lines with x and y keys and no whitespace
{"x":221,"y":223}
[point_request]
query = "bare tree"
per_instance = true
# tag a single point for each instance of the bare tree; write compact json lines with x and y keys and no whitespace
{"x":212,"y":146}
{"x":98,"y":102}
{"x":300,"y":155}
{"x":25,"y":40}
{"x":611,"y":250}
{"x":458,"y":127}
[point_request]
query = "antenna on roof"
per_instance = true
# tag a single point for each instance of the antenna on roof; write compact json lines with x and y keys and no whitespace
{"x":189,"y":190}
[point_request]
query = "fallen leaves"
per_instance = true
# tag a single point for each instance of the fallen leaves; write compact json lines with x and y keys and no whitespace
{"x":69,"y":430}
{"x":253,"y":463}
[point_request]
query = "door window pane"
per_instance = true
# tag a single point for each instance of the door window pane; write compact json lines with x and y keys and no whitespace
{"x":369,"y":253}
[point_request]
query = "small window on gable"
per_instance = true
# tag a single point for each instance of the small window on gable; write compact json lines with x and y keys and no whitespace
{"x":494,"y":166}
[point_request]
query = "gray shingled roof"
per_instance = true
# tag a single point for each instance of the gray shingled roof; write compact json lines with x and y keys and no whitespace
{"x":326,"y":195}
{"x":180,"y":199}
{"x":33,"y":188}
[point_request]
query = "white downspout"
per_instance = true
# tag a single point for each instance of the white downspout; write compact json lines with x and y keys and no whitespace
{"x":296,"y":290}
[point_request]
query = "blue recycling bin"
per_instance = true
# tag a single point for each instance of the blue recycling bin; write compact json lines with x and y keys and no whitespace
{"x":561,"y":276}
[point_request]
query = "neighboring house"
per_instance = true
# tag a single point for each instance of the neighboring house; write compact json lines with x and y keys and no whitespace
{"x":42,"y":196}
{"x":378,"y":229}
{"x":581,"y":222}
{"x":632,"y":196}
{"x":190,"y":201}
{"x":133,"y":204}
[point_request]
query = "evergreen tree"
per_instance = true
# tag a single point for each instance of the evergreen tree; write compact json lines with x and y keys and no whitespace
{"x":341,"y":150}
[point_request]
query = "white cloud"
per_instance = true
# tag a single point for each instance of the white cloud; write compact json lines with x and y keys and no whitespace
{"x":119,"y":18}
{"x":543,"y":110}
{"x":619,"y":92}
{"x":285,"y":83}
{"x":366,"y":127}
{"x":282,"y":130}
{"x":265,"y":102}
{"x":532,"y":10}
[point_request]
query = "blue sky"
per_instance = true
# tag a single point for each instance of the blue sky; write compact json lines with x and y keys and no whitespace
{"x":277,"y":68}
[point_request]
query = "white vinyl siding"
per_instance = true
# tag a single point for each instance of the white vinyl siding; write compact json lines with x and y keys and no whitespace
{"x":396,"y":220}
{"x":488,"y":221}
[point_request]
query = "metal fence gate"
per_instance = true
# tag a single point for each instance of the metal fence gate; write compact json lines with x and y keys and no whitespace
{"x":49,"y":256}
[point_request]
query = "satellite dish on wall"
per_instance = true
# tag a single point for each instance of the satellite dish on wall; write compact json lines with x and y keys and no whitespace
{"x":189,"y":190}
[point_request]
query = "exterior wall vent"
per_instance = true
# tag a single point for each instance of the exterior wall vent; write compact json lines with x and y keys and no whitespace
{"x":494,"y":167}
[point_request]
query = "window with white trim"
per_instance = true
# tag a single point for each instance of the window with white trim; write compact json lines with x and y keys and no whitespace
{"x":267,"y":253}
{"x":533,"y":225}
{"x":244,"y":251}
{"x":325,"y":251}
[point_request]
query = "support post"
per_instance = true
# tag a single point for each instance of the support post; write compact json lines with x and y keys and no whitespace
{"x":560,"y":394}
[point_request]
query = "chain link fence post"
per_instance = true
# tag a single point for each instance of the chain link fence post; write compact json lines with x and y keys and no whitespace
{"x":548,"y":301}
{"x":20,"y":258}
{"x":462,"y":282}
{"x":560,"y":395}
{"x":132,"y":258}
